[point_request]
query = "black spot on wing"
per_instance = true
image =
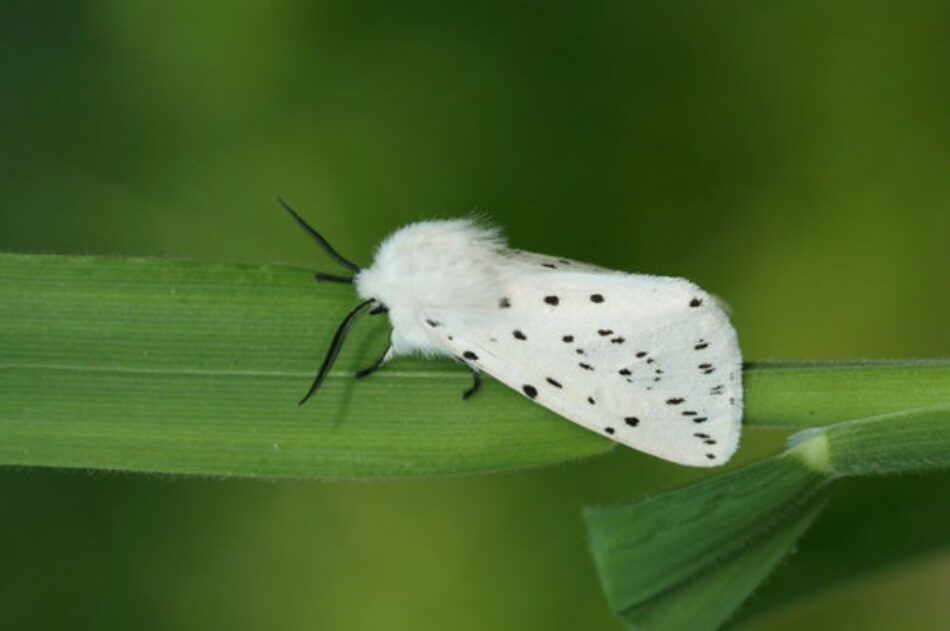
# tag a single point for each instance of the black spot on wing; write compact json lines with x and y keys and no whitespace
{"x":700,"y":419}
{"x":549,"y":265}
{"x":567,"y":339}
{"x":604,"y":332}
{"x":530,"y":390}
{"x":554,"y":382}
{"x":695,"y":302}
{"x":591,"y":401}
{"x":552,"y":300}
{"x":469,"y":355}
{"x":617,"y":340}
{"x":518,"y":335}
{"x":596,"y":298}
{"x":624,"y":371}
{"x":675,"y":401}
{"x":585,"y":366}
{"x":641,"y":354}
{"x":609,"y":430}
{"x":504,"y":303}
{"x":632,"y":421}
{"x":432,"y":323}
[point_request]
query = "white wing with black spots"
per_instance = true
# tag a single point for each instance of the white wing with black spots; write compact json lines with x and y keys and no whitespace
{"x":650,"y":362}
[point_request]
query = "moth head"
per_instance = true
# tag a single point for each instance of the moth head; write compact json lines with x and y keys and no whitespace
{"x":433,"y":264}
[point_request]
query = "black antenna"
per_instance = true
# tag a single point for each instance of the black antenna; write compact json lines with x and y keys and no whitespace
{"x":336,"y":345}
{"x":323,"y":243}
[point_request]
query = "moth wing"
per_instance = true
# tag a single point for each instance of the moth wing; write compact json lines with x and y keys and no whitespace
{"x":650,"y":362}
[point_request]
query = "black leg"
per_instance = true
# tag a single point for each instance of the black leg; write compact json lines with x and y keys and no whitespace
{"x":476,"y":383}
{"x":376,"y":365}
{"x":332,"y":278}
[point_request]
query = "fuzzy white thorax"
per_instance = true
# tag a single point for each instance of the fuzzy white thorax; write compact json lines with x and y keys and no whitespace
{"x":452,"y":268}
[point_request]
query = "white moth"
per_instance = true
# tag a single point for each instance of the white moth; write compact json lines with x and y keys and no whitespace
{"x":651,"y":362}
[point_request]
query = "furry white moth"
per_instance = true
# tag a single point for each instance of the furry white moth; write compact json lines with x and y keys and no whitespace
{"x":651,"y":362}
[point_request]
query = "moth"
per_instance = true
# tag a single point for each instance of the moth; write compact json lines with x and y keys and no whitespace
{"x":651,"y":362}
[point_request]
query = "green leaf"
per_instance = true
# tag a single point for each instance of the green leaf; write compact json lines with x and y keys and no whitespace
{"x":912,"y":440}
{"x":806,"y":394}
{"x":870,"y":524}
{"x":190,"y":367}
{"x":687,"y":558}
{"x":709,"y":600}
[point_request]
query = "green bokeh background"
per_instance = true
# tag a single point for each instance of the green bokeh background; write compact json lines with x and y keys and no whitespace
{"x":792,"y":157}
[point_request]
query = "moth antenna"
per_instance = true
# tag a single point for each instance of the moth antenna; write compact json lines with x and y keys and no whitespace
{"x":335,"y":346}
{"x":323,"y":243}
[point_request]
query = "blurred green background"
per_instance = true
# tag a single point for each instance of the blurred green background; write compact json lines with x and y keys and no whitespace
{"x":792,"y":157}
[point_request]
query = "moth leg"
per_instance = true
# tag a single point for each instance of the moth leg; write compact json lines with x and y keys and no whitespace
{"x":385,"y":357}
{"x":476,"y":383}
{"x":320,"y":277}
